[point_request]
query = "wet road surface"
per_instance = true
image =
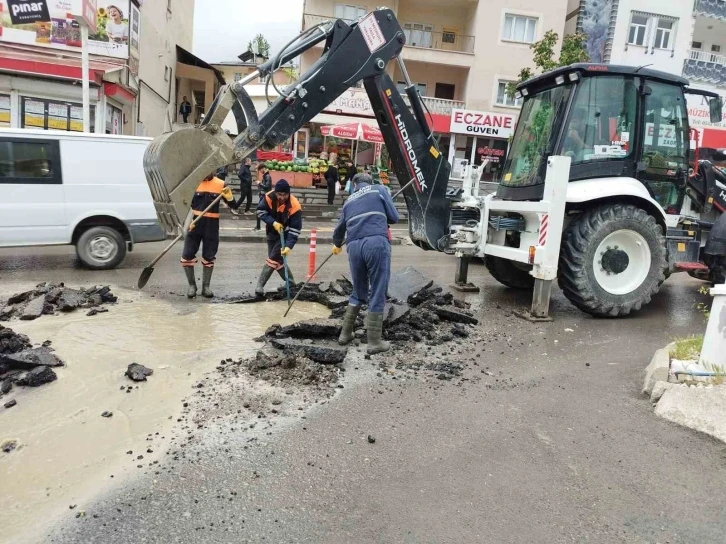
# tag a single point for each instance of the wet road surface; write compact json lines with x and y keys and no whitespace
{"x":554,"y":444}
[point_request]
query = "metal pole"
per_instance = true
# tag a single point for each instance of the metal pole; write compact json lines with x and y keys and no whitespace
{"x":84,"y":70}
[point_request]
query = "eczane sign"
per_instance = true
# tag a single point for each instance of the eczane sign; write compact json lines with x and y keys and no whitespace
{"x":482,"y":123}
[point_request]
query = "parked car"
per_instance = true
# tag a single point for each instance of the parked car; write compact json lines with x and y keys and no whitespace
{"x":87,"y":190}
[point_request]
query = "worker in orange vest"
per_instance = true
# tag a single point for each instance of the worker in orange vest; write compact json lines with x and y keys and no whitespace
{"x":205,"y":233}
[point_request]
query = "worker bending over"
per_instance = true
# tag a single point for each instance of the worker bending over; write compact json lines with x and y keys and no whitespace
{"x":282,"y":213}
{"x":365,"y":219}
{"x":204,"y":232}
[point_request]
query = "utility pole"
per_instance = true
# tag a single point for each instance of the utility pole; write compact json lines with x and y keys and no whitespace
{"x":86,"y":85}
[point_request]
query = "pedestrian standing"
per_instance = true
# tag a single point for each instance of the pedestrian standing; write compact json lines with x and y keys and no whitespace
{"x":185,"y":109}
{"x":245,"y":185}
{"x":349,"y":174}
{"x":264,"y":184}
{"x":282,"y":213}
{"x":363,"y":225}
{"x":331,"y":177}
{"x":205,"y":233}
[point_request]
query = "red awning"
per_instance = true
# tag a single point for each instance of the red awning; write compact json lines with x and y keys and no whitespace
{"x":354,"y":131}
{"x":50,"y":69}
{"x":117,"y":92}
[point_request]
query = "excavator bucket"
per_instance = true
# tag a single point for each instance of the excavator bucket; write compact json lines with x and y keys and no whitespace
{"x":176,"y":162}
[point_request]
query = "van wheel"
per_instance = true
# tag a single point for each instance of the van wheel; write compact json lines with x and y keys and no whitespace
{"x":101,"y":248}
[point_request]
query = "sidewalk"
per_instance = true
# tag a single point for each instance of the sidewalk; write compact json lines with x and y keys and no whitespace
{"x":241,"y":230}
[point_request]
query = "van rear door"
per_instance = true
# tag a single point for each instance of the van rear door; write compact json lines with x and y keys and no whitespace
{"x":32,"y":199}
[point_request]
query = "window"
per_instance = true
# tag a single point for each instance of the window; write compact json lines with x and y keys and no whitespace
{"x":420,"y":87}
{"x":696,"y":45}
{"x":715,"y":49}
{"x":519,"y":29}
{"x":52,"y":115}
{"x":503,"y":99}
{"x":638,"y":25}
{"x":663,"y":34}
{"x":237,"y":77}
{"x":349,"y":12}
{"x":4,"y":110}
{"x":29,"y":161}
{"x":418,"y":34}
{"x":601,"y":120}
{"x":448,"y":35}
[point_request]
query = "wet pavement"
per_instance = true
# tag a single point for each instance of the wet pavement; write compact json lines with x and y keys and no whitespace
{"x":544,"y":437}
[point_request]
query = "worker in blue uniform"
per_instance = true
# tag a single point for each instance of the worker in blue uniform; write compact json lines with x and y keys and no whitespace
{"x":363,"y":224}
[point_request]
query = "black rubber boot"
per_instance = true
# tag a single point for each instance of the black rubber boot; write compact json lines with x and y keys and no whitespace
{"x":347,"y":334}
{"x":375,"y":331}
{"x":192,"y":291}
{"x":206,"y":278}
{"x":289,"y":274}
{"x":265,"y":276}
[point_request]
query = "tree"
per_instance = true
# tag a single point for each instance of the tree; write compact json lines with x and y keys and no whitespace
{"x":573,"y":50}
{"x":259,"y":46}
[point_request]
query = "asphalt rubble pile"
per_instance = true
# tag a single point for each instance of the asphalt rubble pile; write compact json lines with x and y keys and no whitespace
{"x":21,"y":364}
{"x":51,"y":298}
{"x":417,"y":312}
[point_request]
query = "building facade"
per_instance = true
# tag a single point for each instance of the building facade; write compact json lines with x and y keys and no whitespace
{"x":460,"y":54}
{"x":133,"y":66}
{"x":680,"y":37}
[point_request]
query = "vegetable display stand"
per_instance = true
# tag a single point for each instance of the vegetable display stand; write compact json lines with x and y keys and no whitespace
{"x":301,"y":180}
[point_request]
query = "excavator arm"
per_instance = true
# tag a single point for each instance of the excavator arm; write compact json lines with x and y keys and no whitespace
{"x":177,"y":161}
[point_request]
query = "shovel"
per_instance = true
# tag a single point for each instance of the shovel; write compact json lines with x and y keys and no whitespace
{"x":287,"y":270}
{"x":149,"y":270}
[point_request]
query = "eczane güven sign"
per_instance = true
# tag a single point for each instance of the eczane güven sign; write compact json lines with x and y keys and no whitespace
{"x":482,"y":123}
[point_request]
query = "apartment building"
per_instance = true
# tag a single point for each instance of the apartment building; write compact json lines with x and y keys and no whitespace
{"x":675,"y":36}
{"x":460,"y":54}
{"x":135,"y":51}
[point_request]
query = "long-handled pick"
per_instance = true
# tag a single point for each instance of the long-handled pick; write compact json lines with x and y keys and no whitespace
{"x":149,"y":270}
{"x":329,"y":256}
{"x":287,"y":270}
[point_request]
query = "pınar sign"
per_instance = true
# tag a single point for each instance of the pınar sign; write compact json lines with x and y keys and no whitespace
{"x":28,"y":11}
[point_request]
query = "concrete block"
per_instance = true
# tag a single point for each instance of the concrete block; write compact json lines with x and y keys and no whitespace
{"x":702,"y":408}
{"x":657,"y":370}
{"x":659,"y":390}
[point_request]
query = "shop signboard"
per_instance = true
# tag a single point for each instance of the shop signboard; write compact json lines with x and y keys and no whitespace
{"x":482,"y":123}
{"x":352,"y":102}
{"x":90,"y":16}
{"x":493,"y":154}
{"x":134,"y":27}
{"x":26,"y":11}
{"x":62,"y":30}
{"x":4,"y":110}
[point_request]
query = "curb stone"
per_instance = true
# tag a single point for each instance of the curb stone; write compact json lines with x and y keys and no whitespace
{"x":657,"y":370}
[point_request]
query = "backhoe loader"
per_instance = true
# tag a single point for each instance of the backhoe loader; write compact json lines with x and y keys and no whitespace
{"x":596,"y":190}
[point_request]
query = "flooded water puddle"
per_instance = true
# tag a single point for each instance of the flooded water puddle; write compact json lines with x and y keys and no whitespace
{"x":67,"y":451}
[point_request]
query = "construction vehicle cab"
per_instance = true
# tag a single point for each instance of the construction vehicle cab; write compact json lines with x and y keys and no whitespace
{"x":626,"y":132}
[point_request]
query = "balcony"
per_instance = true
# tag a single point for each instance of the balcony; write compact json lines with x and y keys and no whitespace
{"x":422,"y":45}
{"x":439,"y":106}
{"x":716,"y":9}
{"x":705,"y":67}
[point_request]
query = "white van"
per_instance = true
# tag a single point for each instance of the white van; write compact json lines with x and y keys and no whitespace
{"x":88,"y":190}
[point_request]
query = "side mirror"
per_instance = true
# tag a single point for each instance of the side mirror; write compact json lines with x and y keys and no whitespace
{"x":715,"y":107}
{"x":719,"y":155}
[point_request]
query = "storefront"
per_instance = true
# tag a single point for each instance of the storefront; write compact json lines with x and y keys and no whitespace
{"x":477,"y":136}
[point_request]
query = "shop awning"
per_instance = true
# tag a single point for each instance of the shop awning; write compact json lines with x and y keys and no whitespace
{"x":333,"y":119}
{"x":119,"y":93}
{"x":65,"y":68}
{"x":354,"y":131}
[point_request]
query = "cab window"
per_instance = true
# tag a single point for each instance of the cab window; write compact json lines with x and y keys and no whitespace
{"x":601,"y":120}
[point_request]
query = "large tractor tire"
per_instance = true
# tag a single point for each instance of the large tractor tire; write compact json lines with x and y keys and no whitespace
{"x":613,"y":260}
{"x":509,"y":273}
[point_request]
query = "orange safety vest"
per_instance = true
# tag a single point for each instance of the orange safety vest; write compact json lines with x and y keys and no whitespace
{"x":205,"y":194}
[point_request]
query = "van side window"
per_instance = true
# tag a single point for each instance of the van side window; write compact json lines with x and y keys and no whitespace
{"x":29,"y":161}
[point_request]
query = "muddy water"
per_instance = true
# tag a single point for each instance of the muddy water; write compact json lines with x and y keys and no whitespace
{"x":67,"y":450}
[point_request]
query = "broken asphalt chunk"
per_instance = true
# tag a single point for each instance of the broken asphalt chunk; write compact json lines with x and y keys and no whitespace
{"x":316,"y":352}
{"x":31,"y":358}
{"x":314,"y":328}
{"x":34,"y":309}
{"x":38,"y":376}
{"x":138,"y":373}
{"x":455,"y":316}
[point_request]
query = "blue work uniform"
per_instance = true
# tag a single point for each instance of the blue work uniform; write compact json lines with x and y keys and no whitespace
{"x":365,"y":219}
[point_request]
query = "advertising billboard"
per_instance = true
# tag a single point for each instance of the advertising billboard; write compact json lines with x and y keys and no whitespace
{"x":111,"y":38}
